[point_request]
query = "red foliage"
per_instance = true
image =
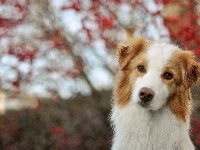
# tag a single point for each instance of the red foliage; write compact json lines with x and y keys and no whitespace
{"x":107,"y":22}
{"x":16,"y":84}
{"x":20,"y":7}
{"x":197,"y":52}
{"x":1,"y":125}
{"x":11,"y":50}
{"x":75,"y":6}
{"x":196,"y":131}
{"x":22,"y":52}
{"x":27,"y":55}
{"x":57,"y":42}
{"x":57,"y":130}
{"x":7,"y":23}
{"x":2,"y":1}
{"x":163,"y":1}
{"x":51,"y":127}
{"x":88,"y":34}
{"x":100,"y":22}
{"x":183,"y":28}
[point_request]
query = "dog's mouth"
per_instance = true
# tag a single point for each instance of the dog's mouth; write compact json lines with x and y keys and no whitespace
{"x":144,"y":104}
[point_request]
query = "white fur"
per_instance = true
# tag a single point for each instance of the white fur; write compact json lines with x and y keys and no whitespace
{"x":155,"y":127}
{"x":139,"y":129}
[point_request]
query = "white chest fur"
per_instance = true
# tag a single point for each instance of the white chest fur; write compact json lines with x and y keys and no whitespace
{"x":136,"y":128}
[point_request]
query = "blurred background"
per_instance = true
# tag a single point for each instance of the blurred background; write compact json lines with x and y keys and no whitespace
{"x":57,"y":66}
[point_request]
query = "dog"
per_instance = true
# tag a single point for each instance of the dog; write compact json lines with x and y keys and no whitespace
{"x":151,"y":99}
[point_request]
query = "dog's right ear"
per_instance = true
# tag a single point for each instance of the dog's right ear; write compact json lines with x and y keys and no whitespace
{"x":123,"y":52}
{"x":128,"y":52}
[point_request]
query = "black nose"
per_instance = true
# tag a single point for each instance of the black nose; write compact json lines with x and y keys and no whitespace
{"x":146,"y":94}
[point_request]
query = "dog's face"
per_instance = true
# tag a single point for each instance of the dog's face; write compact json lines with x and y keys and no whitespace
{"x":153,"y":75}
{"x":157,"y":76}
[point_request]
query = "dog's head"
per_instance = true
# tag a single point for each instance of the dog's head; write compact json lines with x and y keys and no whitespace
{"x":153,"y":75}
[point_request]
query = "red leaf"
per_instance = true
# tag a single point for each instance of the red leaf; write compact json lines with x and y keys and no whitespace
{"x":11,"y":50}
{"x":89,"y":35}
{"x":76,"y":6}
{"x":197,"y":52}
{"x":195,"y":122}
{"x":57,"y":130}
{"x":95,"y":5}
{"x":20,"y":7}
{"x":24,"y":56}
{"x":57,"y":42}
{"x":2,"y":1}
{"x":165,"y":2}
{"x":16,"y":84}
{"x":7,"y":23}
{"x":173,"y":19}
{"x":107,"y":22}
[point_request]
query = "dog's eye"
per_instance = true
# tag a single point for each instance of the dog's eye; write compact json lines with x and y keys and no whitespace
{"x":167,"y":76}
{"x":141,"y":69}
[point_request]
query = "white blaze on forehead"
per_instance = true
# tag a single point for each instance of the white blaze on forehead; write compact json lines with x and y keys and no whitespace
{"x":158,"y":54}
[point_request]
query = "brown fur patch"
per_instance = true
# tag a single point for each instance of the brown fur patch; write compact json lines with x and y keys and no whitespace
{"x":179,"y":103}
{"x":122,"y":91}
{"x":186,"y":73}
{"x":130,"y":57}
{"x":127,"y":52}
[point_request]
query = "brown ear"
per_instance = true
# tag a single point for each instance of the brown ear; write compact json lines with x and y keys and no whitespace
{"x":193,"y":74}
{"x":179,"y":102}
{"x":128,"y":52}
{"x":191,"y":68}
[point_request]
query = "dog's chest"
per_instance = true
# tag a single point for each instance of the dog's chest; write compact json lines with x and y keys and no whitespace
{"x":140,"y":130}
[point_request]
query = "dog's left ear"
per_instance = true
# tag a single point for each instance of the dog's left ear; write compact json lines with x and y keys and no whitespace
{"x":191,"y":68}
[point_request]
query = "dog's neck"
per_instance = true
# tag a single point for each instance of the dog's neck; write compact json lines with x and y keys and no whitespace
{"x":141,"y":129}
